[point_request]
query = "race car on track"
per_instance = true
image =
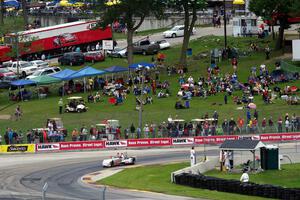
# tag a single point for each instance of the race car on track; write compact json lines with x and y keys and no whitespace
{"x":118,"y":161}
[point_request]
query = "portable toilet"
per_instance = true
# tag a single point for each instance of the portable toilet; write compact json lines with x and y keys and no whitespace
{"x":269,"y":156}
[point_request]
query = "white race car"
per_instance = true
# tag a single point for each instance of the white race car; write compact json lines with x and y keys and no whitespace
{"x":118,"y":161}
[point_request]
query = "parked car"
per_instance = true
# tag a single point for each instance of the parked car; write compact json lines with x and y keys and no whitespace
{"x":163,"y":44}
{"x":40,"y":63}
{"x":72,"y":58}
{"x":45,"y":71}
{"x":176,"y":31}
{"x":25,"y":68}
{"x":145,"y":47}
{"x":5,"y":72}
{"x":94,"y":56}
{"x":117,"y":53}
{"x":5,"y":82}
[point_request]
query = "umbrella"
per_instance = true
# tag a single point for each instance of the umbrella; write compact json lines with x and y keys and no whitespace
{"x":293,"y":89}
{"x":252,"y":106}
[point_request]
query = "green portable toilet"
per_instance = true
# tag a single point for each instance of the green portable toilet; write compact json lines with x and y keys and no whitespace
{"x":269,"y":156}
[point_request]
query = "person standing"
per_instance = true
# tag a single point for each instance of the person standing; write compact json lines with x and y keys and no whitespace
{"x":279,"y":124}
{"x":146,"y":131}
{"x":18,"y":113}
{"x":138,"y":132}
{"x":287,"y":125}
{"x":225,"y":99}
{"x":60,"y":105}
{"x":193,"y":157}
{"x":234,"y":64}
{"x":132,"y":130}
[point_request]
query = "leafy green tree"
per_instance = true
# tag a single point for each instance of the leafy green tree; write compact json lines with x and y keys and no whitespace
{"x":1,"y":12}
{"x":268,"y":8}
{"x":190,"y":9}
{"x":129,"y":11}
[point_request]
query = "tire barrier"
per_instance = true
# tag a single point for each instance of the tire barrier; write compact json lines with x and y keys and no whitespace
{"x":235,"y":186}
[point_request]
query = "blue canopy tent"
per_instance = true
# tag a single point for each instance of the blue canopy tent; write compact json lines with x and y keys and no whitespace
{"x":144,"y":64}
{"x":20,"y":83}
{"x":115,"y":69}
{"x":64,"y":74}
{"x":11,"y":3}
{"x":85,"y":72}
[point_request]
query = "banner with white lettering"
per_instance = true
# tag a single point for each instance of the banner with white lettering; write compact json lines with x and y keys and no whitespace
{"x":47,"y":147}
{"x":180,"y":141}
{"x":116,"y":143}
{"x":65,"y":146}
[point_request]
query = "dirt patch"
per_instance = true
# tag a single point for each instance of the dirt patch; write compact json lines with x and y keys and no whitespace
{"x":5,"y":117}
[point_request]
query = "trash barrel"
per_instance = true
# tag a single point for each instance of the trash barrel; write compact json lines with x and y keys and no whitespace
{"x":189,"y":52}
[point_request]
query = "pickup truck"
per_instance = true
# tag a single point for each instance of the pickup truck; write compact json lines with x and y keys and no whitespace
{"x":25,"y":68}
{"x":145,"y":47}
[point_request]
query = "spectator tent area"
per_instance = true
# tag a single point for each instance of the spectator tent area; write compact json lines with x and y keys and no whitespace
{"x":240,"y":145}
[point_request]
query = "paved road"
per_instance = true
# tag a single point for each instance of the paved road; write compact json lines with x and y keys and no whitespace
{"x":23,"y":176}
{"x":175,"y":41}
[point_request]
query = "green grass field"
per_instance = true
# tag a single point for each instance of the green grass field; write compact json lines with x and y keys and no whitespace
{"x":37,"y":111}
{"x":286,"y":177}
{"x":156,"y":178}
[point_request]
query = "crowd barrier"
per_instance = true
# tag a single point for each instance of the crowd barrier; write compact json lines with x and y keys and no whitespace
{"x":153,"y":142}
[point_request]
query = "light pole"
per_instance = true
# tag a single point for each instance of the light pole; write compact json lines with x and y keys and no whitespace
{"x":142,"y":76}
{"x":225,"y":26}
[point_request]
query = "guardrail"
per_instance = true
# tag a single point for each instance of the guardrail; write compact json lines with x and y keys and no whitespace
{"x":133,"y":143}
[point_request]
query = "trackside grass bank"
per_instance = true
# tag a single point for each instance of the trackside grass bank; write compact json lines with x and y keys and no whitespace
{"x":36,"y":111}
{"x":156,"y":178}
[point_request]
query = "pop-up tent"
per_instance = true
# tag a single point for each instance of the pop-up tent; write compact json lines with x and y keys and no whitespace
{"x":137,"y":65}
{"x":85,"y":72}
{"x":22,"y":82}
{"x":116,"y":69}
{"x":44,"y":80}
{"x":64,"y":74}
{"x":12,"y":3}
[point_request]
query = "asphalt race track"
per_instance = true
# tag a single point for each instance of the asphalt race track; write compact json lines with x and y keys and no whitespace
{"x":23,"y":176}
{"x":62,"y":172}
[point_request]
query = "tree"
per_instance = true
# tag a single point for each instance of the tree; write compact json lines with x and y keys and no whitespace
{"x":190,"y":9}
{"x":1,"y":12}
{"x":270,"y":8}
{"x":127,"y":11}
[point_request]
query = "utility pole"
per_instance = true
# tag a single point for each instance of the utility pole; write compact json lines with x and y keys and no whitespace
{"x":141,"y":74}
{"x":225,"y":28}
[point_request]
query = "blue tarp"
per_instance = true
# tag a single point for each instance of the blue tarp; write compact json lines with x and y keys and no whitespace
{"x":22,"y":82}
{"x":11,"y":3}
{"x":85,"y":72}
{"x":144,"y":64}
{"x":115,"y":69}
{"x":64,"y":74}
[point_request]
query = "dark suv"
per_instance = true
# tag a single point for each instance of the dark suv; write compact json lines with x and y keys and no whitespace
{"x":72,"y":58}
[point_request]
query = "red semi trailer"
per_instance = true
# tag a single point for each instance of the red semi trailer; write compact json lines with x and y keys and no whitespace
{"x":54,"y":39}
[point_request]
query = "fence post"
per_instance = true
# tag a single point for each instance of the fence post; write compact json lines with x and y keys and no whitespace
{"x":44,"y":190}
{"x":103,"y":193}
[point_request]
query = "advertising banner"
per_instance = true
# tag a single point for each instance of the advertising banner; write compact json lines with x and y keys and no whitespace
{"x":214,"y":139}
{"x":47,"y":147}
{"x":279,"y":137}
{"x":180,"y":141}
{"x":17,"y":148}
{"x":66,"y":146}
{"x":116,"y":143}
{"x":149,"y":142}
